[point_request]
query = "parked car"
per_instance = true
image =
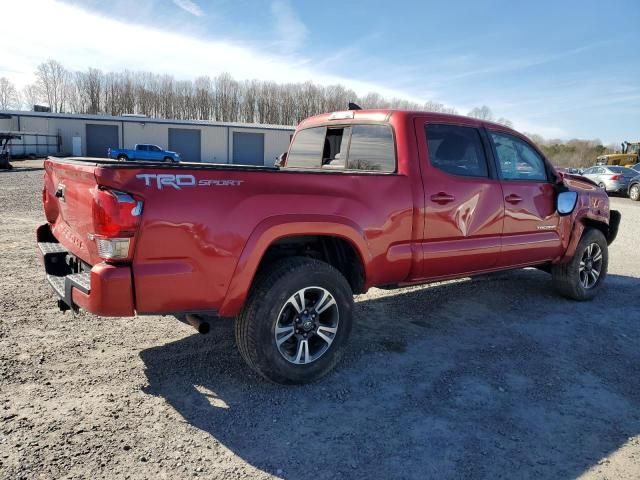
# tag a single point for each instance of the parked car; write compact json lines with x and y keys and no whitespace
{"x":568,"y":170}
{"x":365,"y":198}
{"x":612,"y":179}
{"x":143,"y":152}
{"x":634,"y":188}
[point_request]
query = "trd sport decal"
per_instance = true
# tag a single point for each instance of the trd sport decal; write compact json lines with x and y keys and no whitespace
{"x":162,"y":180}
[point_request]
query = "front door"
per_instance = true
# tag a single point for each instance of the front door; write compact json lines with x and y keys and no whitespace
{"x":464,"y":206}
{"x":531,"y":221}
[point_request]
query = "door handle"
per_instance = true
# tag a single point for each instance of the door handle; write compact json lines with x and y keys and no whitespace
{"x":442,"y":198}
{"x":513,"y":198}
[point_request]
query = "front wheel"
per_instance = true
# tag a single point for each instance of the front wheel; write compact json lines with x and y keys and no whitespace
{"x":296,"y":321}
{"x":583,"y":276}
{"x":634,"y":192}
{"x":168,"y":159}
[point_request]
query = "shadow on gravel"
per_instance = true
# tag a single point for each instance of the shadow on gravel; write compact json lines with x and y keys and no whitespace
{"x":493,"y":378}
{"x":20,"y":170}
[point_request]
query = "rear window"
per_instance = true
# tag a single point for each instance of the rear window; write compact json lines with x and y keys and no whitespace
{"x":358,"y":147}
{"x":372,"y":149}
{"x":306,"y":149}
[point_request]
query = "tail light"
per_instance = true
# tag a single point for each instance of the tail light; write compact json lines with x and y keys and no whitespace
{"x":616,"y":177}
{"x":116,"y":218}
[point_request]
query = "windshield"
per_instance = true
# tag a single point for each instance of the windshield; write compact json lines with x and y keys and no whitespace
{"x":634,"y":148}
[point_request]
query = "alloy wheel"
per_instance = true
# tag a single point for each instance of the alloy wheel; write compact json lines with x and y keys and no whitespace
{"x":590,"y":266}
{"x":307,"y":325}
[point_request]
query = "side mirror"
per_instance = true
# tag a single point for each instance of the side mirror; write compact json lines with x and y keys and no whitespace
{"x":566,"y":202}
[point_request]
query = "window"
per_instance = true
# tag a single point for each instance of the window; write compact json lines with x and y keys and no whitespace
{"x":358,"y":147}
{"x":336,"y":144}
{"x":306,"y":150}
{"x":456,"y":150}
{"x":372,"y":149}
{"x":154,"y":148}
{"x":588,"y":171}
{"x":143,"y":147}
{"x":518,"y":160}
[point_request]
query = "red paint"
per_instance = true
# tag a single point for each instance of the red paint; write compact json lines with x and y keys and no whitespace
{"x":198,"y":247}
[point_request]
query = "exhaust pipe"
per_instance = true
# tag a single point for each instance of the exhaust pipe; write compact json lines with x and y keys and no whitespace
{"x":201,"y":325}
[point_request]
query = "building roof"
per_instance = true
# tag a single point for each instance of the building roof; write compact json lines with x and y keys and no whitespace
{"x":142,"y":119}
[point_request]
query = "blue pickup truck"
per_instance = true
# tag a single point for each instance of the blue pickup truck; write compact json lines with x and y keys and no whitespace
{"x":144,"y":152}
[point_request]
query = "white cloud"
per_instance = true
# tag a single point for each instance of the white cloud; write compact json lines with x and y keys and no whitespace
{"x":85,"y":39}
{"x":291,"y":32}
{"x":190,"y":7}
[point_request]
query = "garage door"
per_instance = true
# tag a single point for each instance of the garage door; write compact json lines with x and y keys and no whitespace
{"x":248,"y":148}
{"x":186,"y":142}
{"x":101,"y":138}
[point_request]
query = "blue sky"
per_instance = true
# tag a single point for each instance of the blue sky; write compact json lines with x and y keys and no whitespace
{"x":560,"y":69}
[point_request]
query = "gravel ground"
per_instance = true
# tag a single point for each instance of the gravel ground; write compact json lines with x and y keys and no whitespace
{"x":492,"y":378}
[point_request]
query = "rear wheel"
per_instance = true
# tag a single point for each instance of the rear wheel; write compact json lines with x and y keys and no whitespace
{"x":296,"y":321}
{"x":634,"y":192}
{"x":602,"y":186}
{"x":168,"y":159}
{"x":582,"y":277}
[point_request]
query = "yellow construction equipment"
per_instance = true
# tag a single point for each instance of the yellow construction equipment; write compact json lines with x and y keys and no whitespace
{"x":629,"y":155}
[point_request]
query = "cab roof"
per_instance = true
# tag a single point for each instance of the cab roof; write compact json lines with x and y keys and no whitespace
{"x":384,"y":115}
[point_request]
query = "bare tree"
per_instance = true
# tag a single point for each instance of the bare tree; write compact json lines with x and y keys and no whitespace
{"x":53,"y":80}
{"x":221,"y":98}
{"x":482,"y":113}
{"x":504,"y":121}
{"x":30,"y":96}
{"x":9,"y":98}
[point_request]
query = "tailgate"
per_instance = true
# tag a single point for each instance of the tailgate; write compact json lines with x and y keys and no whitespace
{"x":68,"y":205}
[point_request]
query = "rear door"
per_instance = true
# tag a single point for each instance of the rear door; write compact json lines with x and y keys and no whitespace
{"x":464,"y":206}
{"x":531,"y":221}
{"x":141,"y":152}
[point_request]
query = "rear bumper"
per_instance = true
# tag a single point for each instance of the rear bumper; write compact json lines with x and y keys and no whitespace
{"x":616,"y":187}
{"x":103,"y":289}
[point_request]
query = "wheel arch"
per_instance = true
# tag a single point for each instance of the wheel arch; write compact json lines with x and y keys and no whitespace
{"x":335,"y":240}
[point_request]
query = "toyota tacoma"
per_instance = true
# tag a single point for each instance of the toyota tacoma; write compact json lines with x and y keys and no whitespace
{"x":363,"y":198}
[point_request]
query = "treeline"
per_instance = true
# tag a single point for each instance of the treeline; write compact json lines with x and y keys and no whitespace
{"x":221,"y":98}
{"x":572,"y":153}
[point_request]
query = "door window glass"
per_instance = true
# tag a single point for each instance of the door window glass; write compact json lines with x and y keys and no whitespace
{"x":517,"y":160}
{"x":456,"y":150}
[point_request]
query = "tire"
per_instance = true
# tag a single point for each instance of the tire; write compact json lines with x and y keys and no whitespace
{"x":568,"y":278}
{"x":168,"y":159}
{"x":634,"y":192}
{"x":123,"y":158}
{"x":270,"y":305}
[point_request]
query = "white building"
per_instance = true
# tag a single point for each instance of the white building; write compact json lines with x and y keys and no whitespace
{"x":196,"y":141}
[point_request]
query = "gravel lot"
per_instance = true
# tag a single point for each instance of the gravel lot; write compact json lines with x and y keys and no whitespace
{"x":492,"y":378}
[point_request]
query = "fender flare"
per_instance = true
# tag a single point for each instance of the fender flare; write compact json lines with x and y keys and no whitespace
{"x":275,"y":228}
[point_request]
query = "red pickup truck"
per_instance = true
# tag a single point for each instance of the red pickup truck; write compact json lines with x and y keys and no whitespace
{"x":366,"y":198}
